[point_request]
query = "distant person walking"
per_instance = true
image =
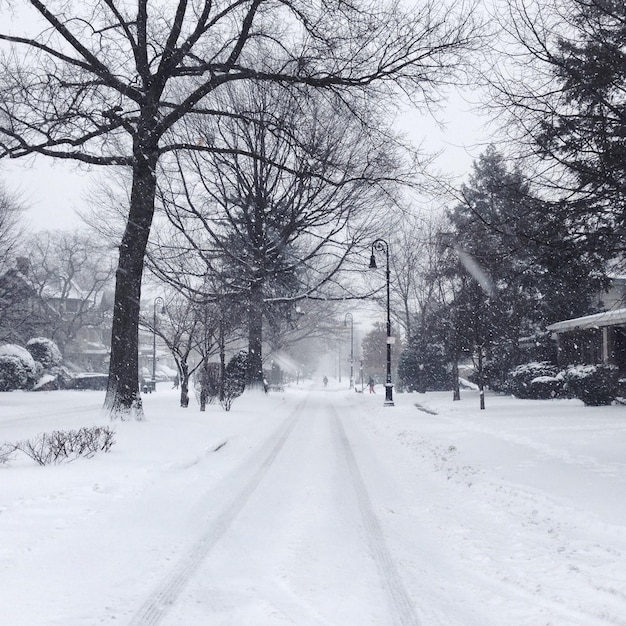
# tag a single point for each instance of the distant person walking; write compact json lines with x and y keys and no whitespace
{"x":371,"y":383}
{"x":176,"y":382}
{"x":325,"y":381}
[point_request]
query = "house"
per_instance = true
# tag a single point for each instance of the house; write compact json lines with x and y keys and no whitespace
{"x":77,"y":320}
{"x":597,"y":338}
{"x":23,"y":313}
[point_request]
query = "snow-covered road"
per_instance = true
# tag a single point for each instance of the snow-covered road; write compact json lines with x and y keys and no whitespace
{"x":319,"y":507}
{"x":299,"y":541}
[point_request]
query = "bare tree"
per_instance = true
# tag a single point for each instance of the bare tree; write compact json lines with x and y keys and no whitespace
{"x":71,"y":273}
{"x":279,"y":213}
{"x":415,"y":267}
{"x":191,"y":331}
{"x":14,"y":291}
{"x":108,"y":83}
{"x":11,"y":229}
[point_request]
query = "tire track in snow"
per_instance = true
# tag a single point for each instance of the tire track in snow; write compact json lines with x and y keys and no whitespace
{"x":165,"y":595}
{"x":402,"y":609}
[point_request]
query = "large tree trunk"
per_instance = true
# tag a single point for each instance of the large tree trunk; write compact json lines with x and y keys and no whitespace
{"x":254,"y":374}
{"x":456,"y":388}
{"x":222,"y":348}
{"x":204,"y":383}
{"x":183,"y":369}
{"x":123,"y":398}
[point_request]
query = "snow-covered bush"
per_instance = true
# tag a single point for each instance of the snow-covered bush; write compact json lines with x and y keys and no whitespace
{"x":235,"y":379}
{"x":31,"y":368}
{"x":520,"y":380}
{"x":13,"y":374}
{"x":66,"y":445}
{"x":45,"y":351}
{"x":595,"y":385}
{"x":86,"y":380}
{"x":545,"y":387}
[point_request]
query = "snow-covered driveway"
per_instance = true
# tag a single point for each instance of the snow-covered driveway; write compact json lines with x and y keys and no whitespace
{"x":319,"y":507}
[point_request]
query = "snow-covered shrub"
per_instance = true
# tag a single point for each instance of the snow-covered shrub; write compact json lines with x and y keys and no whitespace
{"x":67,"y":445}
{"x":13,"y":374}
{"x":595,"y":385}
{"x":545,"y":387}
{"x":31,"y":367}
{"x":235,"y":379}
{"x":519,"y":380}
{"x":45,"y":351}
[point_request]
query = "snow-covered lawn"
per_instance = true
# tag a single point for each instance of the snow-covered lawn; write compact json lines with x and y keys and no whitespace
{"x":316,"y":507}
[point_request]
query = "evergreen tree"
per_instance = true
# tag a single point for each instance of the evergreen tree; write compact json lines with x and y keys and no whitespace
{"x":588,"y":133}
{"x":234,"y":379}
{"x":374,"y":348}
{"x":519,"y":282}
{"x":424,"y":362}
{"x":567,"y":102}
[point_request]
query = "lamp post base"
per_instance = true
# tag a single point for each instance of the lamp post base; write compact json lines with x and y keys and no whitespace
{"x":388,"y":394}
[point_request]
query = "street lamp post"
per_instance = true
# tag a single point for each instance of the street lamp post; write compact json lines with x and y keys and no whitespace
{"x":347,"y":317}
{"x":361,"y":375}
{"x":157,"y":301}
{"x":380,"y":245}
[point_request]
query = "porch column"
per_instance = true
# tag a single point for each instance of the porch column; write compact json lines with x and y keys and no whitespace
{"x":608,"y":345}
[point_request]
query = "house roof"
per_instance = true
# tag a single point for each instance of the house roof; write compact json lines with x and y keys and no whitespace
{"x":59,"y":288}
{"x":615,"y":317}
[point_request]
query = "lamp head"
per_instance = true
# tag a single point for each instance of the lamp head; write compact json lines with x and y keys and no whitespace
{"x":373,"y":265}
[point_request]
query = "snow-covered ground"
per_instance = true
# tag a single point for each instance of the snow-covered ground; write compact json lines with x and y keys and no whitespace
{"x":317,"y":507}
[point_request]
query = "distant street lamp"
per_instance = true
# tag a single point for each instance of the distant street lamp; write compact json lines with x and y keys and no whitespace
{"x":381,"y":245}
{"x":347,"y":317}
{"x":157,"y":301}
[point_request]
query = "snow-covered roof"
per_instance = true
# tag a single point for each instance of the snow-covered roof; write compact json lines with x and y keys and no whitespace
{"x":59,"y":288}
{"x":606,"y":318}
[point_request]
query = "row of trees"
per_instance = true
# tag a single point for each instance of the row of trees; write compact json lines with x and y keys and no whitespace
{"x":147,"y":88}
{"x":258,"y":160}
{"x":501,"y":276}
{"x":531,"y":237}
{"x":63,"y":290}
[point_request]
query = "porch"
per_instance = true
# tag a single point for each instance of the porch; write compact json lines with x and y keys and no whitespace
{"x":592,"y":339}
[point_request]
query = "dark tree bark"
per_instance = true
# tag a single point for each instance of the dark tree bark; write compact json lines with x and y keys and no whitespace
{"x":183,"y":371}
{"x":122,"y":398}
{"x":254,"y":373}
